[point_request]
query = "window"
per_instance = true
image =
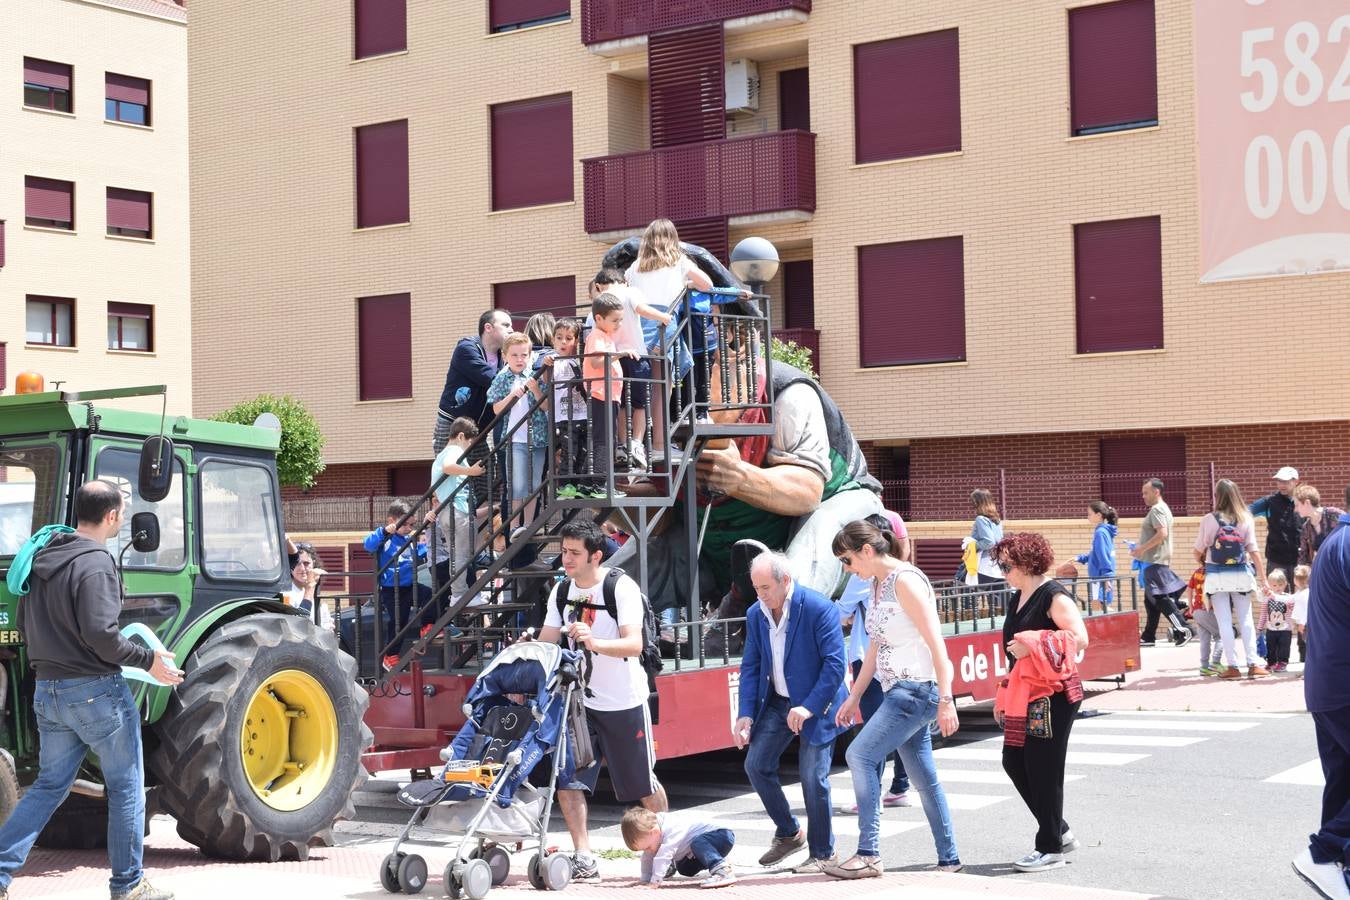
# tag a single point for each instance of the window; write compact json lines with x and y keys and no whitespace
{"x":1126,"y":463}
{"x":907,"y":97}
{"x":130,"y":326}
{"x":912,"y":302}
{"x":509,"y":15}
{"x":1113,"y":68}
{"x":47,"y":85}
{"x":381,"y":27}
{"x":29,"y":492}
{"x":129,"y":212}
{"x":51,"y":321}
{"x":1118,"y":293}
{"x":241,"y":539}
{"x":121,"y":467}
{"x":384,"y":346}
{"x":794,"y":99}
{"x":126,"y":99}
{"x":532,"y":152}
{"x":525,"y":298}
{"x":49,"y":203}
{"x":382,"y":174}
{"x":799,"y":294}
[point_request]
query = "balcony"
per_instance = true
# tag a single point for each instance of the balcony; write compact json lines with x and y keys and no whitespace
{"x":761,"y":177}
{"x":625,"y":24}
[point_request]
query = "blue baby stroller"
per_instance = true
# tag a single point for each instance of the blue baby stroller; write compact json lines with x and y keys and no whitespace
{"x":518,"y":713}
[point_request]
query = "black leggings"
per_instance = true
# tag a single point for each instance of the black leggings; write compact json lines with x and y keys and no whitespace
{"x":1037,"y":771}
{"x":1166,"y":605}
{"x":1277,"y":646}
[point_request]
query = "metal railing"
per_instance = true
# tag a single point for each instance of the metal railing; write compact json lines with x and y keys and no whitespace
{"x":739,"y":176}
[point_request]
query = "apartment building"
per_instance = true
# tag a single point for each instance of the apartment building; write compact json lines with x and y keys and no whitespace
{"x":989,"y":216}
{"x":94,"y":254}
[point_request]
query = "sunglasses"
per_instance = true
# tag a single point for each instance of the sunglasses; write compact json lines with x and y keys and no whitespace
{"x":846,"y":560}
{"x":1004,"y":567}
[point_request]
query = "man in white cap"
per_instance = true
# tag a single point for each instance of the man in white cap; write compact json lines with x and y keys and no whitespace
{"x":1283,"y":524}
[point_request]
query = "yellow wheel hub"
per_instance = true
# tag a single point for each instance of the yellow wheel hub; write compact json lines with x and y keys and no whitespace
{"x":289,"y":740}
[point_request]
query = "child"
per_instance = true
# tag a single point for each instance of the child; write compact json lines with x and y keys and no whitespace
{"x":562,"y":370}
{"x":1211,"y":646}
{"x":606,"y":387}
{"x":688,"y":847}
{"x":529,"y":441}
{"x":637,"y":371}
{"x":454,"y":511}
{"x":398,"y":587}
{"x":1302,"y":575}
{"x":1276,"y":613}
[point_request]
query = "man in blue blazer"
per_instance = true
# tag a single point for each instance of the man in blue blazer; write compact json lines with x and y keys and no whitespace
{"x":792,"y":681}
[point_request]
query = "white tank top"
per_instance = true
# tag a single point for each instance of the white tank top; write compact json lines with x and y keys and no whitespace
{"x":902,"y":654}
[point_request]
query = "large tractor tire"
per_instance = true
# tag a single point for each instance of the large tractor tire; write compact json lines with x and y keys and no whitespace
{"x":9,"y":785}
{"x":260,"y":748}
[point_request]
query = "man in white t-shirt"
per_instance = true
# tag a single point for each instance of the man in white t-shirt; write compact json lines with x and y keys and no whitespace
{"x":616,"y":685}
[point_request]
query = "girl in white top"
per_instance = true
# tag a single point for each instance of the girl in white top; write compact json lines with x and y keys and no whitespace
{"x":1228,"y":586}
{"x":908,"y":656}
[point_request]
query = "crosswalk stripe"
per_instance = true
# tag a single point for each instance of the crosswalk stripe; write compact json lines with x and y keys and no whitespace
{"x":756,"y":820}
{"x":970,"y":801}
{"x":1074,"y":757}
{"x":1310,"y":773}
{"x":985,"y":776}
{"x":1159,"y":724}
{"x":1179,"y":713}
{"x":1132,"y":740}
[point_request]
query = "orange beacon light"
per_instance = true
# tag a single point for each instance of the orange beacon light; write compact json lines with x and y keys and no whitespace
{"x":29,"y":383}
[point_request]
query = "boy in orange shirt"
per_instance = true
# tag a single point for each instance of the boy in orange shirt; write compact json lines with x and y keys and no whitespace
{"x":605,"y":384}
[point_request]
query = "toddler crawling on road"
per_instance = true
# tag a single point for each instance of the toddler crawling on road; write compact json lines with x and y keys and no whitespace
{"x":669,"y":844}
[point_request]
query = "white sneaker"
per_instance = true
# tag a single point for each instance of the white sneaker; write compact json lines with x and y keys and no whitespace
{"x":637,"y":456}
{"x":1037,"y":861}
{"x":900,"y":799}
{"x":1327,"y":878}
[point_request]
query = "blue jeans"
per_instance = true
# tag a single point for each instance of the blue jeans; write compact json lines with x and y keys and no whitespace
{"x":769,"y":737}
{"x":74,"y":716}
{"x":868,"y":705}
{"x":707,"y":851}
{"x":901,"y":721}
{"x":527,"y":470}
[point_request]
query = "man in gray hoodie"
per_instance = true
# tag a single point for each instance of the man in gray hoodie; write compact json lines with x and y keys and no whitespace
{"x":82,"y":702}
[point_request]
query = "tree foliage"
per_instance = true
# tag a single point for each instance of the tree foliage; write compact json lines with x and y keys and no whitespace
{"x":793,"y":354}
{"x":300,"y":457}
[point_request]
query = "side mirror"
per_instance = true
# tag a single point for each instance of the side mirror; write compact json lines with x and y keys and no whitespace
{"x":145,"y":532}
{"x":156,"y":469}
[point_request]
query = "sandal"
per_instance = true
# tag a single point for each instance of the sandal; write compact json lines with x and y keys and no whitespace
{"x":857,"y":867}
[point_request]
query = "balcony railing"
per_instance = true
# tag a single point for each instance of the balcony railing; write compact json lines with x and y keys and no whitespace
{"x":613,"y":20}
{"x":763,"y":173}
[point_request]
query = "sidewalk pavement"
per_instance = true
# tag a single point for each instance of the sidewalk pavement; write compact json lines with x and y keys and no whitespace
{"x":1169,"y":679}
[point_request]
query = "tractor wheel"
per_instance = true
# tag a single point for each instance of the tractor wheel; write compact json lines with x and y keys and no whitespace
{"x":9,"y":785}
{"x":260,"y":747}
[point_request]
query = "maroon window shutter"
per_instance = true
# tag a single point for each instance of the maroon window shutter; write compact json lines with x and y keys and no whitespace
{"x":1113,"y":68}
{"x":382,"y":174}
{"x":907,"y":96}
{"x":511,"y":13}
{"x":3,"y":376}
{"x":710,"y":234}
{"x":47,"y":198}
{"x":410,"y":479}
{"x":525,"y":298}
{"x":532,"y":152}
{"x":381,"y":27}
{"x":1127,"y":462}
{"x":794,"y":99}
{"x":912,"y":302}
{"x":129,"y":310}
{"x":687,"y":85}
{"x":129,"y":210}
{"x":48,"y":74}
{"x":1118,"y":285}
{"x":799,"y":294}
{"x":362,"y":561}
{"x":384,"y":346}
{"x":126,"y":89}
{"x":2,"y":243}
{"x":937,"y":558}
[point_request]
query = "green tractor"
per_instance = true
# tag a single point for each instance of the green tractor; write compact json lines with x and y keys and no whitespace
{"x":257,"y":752}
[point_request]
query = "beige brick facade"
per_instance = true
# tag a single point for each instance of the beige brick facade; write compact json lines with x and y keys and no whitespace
{"x":139,"y":38}
{"x":278,"y":264}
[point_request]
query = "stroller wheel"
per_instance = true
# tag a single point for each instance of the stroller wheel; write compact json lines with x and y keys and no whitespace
{"x":412,"y":874}
{"x":499,"y":861}
{"x":476,"y":877}
{"x":557,"y":871}
{"x":452,"y":886}
{"x":389,"y":872}
{"x":535,"y":872}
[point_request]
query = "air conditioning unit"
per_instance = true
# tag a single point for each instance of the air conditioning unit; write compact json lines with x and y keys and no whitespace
{"x":742,"y":85}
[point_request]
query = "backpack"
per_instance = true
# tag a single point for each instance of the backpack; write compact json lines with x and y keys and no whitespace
{"x":650,"y":657}
{"x":1229,"y":548}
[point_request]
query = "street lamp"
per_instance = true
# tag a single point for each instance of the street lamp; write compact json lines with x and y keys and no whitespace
{"x":754,"y":261}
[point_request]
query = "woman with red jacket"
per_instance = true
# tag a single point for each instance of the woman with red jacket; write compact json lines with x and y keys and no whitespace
{"x":1037,"y":767}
